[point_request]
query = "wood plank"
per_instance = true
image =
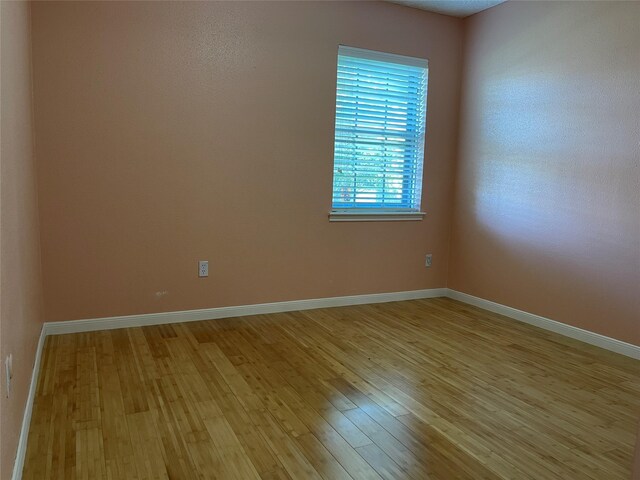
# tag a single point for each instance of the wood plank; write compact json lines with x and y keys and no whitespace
{"x":424,"y":389}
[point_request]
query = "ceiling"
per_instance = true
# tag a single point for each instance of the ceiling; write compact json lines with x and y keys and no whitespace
{"x":456,"y":8}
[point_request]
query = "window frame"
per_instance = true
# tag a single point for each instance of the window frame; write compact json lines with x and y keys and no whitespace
{"x":378,"y":212}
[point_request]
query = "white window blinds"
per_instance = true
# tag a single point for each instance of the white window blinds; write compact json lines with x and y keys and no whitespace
{"x":379,"y":131}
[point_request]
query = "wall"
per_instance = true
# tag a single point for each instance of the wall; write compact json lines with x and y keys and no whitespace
{"x":20,"y":283}
{"x":173,"y":132}
{"x":548,"y":182}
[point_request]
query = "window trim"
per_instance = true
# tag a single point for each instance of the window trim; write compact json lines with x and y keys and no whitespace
{"x":372,"y":213}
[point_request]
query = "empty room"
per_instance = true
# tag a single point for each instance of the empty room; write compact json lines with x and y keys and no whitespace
{"x":320,"y":240}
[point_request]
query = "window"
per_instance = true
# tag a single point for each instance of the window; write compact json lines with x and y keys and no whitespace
{"x":381,"y":102}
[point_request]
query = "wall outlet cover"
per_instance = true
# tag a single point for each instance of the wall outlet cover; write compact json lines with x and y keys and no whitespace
{"x":203,"y":268}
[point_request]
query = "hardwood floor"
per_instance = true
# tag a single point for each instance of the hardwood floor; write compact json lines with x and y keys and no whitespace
{"x":421,"y":389}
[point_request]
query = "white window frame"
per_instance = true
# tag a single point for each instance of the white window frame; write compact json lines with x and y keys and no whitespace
{"x":369,"y":213}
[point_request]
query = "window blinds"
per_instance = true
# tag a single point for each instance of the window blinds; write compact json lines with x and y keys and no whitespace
{"x":379,"y":131}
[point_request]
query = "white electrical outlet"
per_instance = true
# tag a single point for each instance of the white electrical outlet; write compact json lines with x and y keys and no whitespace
{"x":427,"y":261}
{"x":203,"y":268}
{"x":8,"y":367}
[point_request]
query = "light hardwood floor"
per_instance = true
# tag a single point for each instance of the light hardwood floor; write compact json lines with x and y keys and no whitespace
{"x":425,"y":389}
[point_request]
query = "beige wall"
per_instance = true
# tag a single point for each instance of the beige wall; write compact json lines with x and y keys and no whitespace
{"x":173,"y":132}
{"x":547,"y":195}
{"x":20,"y":285}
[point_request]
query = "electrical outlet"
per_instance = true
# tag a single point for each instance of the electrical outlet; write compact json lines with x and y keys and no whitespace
{"x":203,"y":268}
{"x":8,"y":370}
{"x":427,"y":261}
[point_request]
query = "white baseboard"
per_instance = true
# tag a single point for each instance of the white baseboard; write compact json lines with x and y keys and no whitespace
{"x":576,"y":333}
{"x":110,"y":323}
{"x":21,"y":451}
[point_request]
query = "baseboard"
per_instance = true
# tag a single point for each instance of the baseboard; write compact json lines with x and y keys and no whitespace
{"x":110,"y":323}
{"x":21,"y":451}
{"x":576,"y":333}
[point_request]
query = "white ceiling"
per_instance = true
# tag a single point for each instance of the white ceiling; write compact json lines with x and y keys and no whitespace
{"x":456,"y":8}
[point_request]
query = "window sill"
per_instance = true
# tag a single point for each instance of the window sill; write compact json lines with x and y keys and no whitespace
{"x":373,"y":216}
